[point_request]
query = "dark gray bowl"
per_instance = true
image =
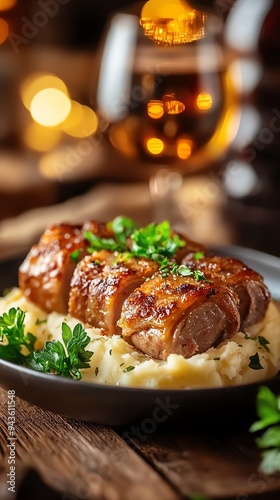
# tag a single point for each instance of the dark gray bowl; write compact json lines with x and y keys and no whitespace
{"x":119,"y":405}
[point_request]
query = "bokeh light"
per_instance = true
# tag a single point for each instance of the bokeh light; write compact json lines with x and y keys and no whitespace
{"x":184,"y":149}
{"x":155,"y":109}
{"x":173,"y":106}
{"x":37,"y":82}
{"x":7,"y":4}
{"x":155,"y":146}
{"x":204,"y":101}
{"x":50,"y":107}
{"x":4,"y":30}
{"x":81,"y":121}
{"x":40,"y":138}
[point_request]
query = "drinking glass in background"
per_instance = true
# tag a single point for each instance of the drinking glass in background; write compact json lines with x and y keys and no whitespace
{"x":170,"y":109}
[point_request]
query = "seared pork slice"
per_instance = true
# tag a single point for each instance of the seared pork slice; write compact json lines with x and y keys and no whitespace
{"x":179,"y":315}
{"x":100,"y":285}
{"x":247,"y":284}
{"x":45,"y":274}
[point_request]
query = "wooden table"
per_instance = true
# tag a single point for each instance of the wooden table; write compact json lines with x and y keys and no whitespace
{"x":58,"y":458}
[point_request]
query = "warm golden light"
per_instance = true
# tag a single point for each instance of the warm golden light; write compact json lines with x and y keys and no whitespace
{"x":172,"y":106}
{"x":172,"y":22}
{"x":204,"y":101}
{"x":40,"y":138}
{"x":7,"y":4}
{"x":81,"y":121}
{"x":4,"y":30}
{"x":50,"y":107}
{"x":155,"y":146}
{"x":155,"y":109}
{"x":37,"y":82}
{"x":184,"y":148}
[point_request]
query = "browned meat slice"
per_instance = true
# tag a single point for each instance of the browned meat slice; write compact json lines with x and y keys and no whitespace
{"x":100,"y":285}
{"x":179,"y":315}
{"x":248,"y":285}
{"x":45,"y":274}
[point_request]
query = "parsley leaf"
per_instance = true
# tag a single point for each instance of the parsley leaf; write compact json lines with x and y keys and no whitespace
{"x":65,"y":359}
{"x":255,"y":363}
{"x":268,"y":409}
{"x":155,"y":242}
{"x":13,"y":336}
{"x":121,"y":228}
{"x":97,"y":243}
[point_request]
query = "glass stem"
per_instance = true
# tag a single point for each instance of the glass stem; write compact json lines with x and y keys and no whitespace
{"x":165,"y":187}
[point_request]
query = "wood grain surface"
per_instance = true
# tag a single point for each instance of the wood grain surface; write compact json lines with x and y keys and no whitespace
{"x":87,"y":461}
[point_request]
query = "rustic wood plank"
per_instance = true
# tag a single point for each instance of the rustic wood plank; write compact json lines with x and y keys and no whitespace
{"x":198,"y":464}
{"x":83,"y":460}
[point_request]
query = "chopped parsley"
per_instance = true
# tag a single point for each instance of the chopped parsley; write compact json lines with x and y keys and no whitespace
{"x":75,"y":256}
{"x":40,"y":321}
{"x":264,"y":343}
{"x":198,"y":255}
{"x":110,"y":352}
{"x":155,"y":242}
{"x":268,"y":410}
{"x":96,"y":371}
{"x":128,"y":369}
{"x":255,"y":363}
{"x":180,"y":270}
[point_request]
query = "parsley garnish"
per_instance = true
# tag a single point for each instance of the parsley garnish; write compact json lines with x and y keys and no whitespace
{"x":264,"y":343}
{"x":255,"y":362}
{"x":40,"y":321}
{"x":64,"y":358}
{"x":75,"y":256}
{"x":268,"y":409}
{"x":180,"y":270}
{"x":96,"y":371}
{"x":198,"y":255}
{"x":12,"y":332}
{"x":128,"y":369}
{"x":155,"y":242}
{"x":121,"y":227}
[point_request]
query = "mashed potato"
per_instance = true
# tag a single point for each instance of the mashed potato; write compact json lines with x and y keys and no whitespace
{"x":115,"y":362}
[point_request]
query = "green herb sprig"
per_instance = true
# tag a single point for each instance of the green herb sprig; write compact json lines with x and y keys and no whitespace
{"x":268,"y":410}
{"x":13,"y":336}
{"x":121,"y":228}
{"x":64,"y":358}
{"x":155,"y":242}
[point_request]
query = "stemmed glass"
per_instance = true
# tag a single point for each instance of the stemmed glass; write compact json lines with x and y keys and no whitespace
{"x":171,"y":107}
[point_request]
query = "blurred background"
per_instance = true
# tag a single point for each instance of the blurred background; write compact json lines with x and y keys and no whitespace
{"x":61,"y":159}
